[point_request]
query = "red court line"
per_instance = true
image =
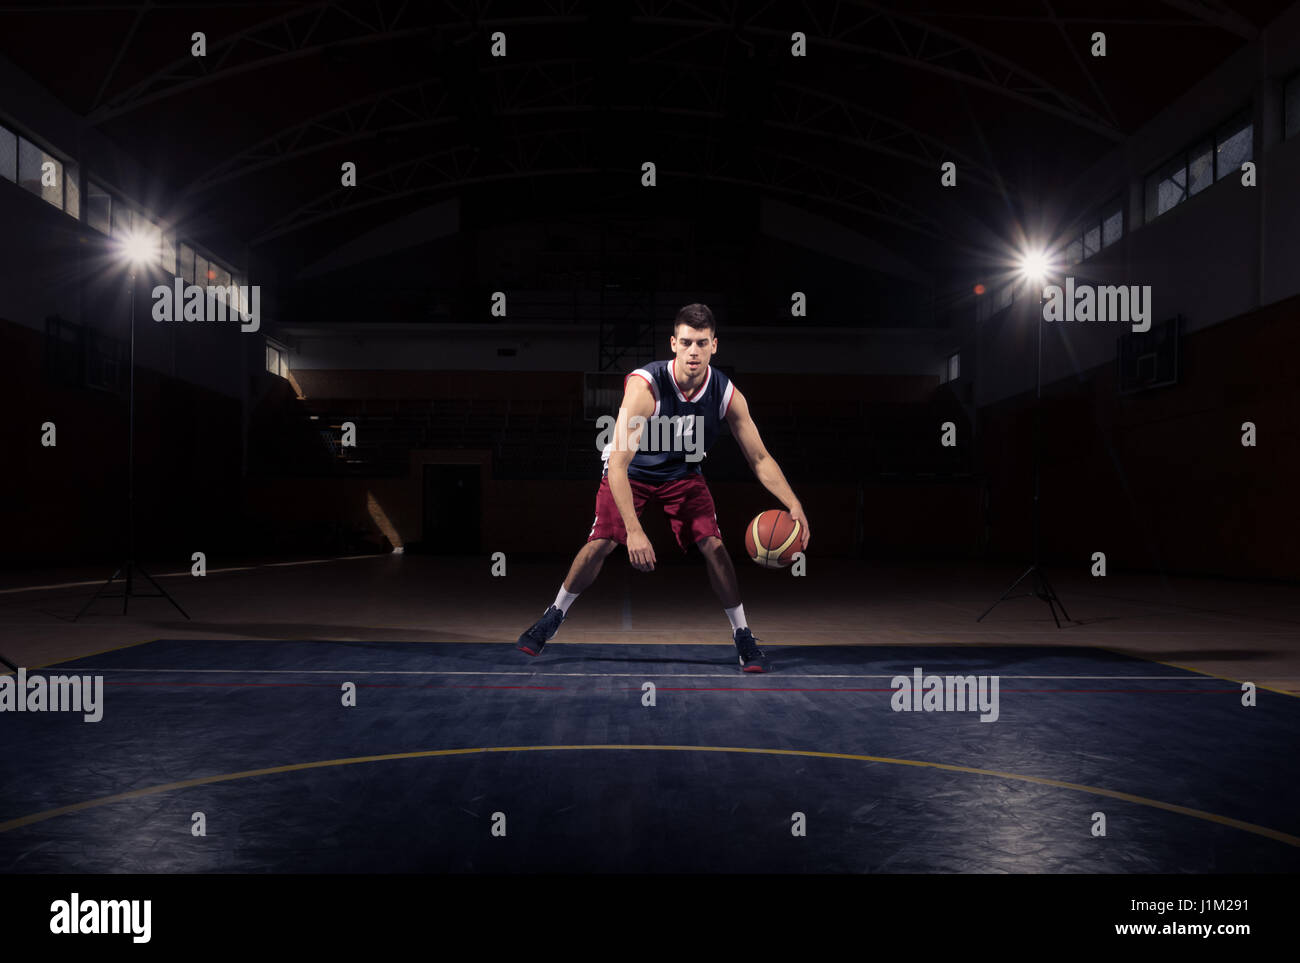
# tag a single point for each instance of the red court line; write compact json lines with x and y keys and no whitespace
{"x":319,"y":685}
{"x":662,"y":688}
{"x":941,"y":691}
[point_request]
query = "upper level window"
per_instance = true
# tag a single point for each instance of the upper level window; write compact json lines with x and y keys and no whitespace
{"x":1290,"y":108}
{"x":151,"y":234}
{"x":1112,"y":226}
{"x":8,"y":155}
{"x":1099,"y":232}
{"x":1233,"y":147}
{"x":99,"y":207}
{"x":995,"y":301}
{"x":40,"y":173}
{"x":72,"y":189}
{"x":277,"y":360}
{"x":121,"y":221}
{"x":1195,"y":169}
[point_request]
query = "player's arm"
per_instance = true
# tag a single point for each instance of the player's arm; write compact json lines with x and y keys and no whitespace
{"x":637,"y":401}
{"x":761,"y":463}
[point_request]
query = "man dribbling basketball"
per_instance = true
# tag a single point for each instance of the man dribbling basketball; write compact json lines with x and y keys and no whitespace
{"x":689,"y":391}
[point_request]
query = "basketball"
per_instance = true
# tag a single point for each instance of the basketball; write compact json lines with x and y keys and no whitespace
{"x":772,"y":538}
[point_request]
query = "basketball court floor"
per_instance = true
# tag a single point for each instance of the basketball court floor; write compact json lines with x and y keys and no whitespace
{"x":372,"y":715}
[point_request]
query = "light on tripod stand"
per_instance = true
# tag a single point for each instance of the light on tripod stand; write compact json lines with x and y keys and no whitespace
{"x":1034,"y":267}
{"x":139,"y":249}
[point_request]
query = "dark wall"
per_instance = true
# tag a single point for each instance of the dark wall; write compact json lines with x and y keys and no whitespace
{"x":1158,"y":481}
{"x":71,"y":498}
{"x":1161,"y":481}
{"x":813,"y":390}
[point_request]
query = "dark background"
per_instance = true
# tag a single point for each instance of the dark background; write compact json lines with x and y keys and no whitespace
{"x":775,"y":174}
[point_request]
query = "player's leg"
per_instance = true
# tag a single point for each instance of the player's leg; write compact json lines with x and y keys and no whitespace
{"x":586,"y":566}
{"x":722,"y":574}
{"x":607,"y":533}
{"x":694,"y":519}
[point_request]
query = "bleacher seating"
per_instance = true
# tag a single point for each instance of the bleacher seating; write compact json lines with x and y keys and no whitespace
{"x":550,"y":439}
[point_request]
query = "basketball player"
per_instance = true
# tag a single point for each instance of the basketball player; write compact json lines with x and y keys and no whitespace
{"x":686,"y":386}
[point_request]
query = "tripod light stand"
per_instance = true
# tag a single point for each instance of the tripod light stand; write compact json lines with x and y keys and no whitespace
{"x":140,"y":251}
{"x":1034,"y":269}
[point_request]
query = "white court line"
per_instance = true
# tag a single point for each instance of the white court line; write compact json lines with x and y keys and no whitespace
{"x":604,"y":675}
{"x":102,"y":581}
{"x":211,"y":571}
{"x":37,"y":588}
{"x":318,"y":561}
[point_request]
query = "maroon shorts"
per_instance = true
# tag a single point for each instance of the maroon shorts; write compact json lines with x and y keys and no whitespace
{"x":686,"y":502}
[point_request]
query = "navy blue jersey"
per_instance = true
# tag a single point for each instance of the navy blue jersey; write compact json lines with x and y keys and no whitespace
{"x":681,"y":430}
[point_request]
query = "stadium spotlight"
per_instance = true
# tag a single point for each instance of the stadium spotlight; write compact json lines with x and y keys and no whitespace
{"x":1035,"y":266}
{"x":139,"y":249}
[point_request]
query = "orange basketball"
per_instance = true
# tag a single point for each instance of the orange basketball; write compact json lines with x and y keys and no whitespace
{"x":772,"y":538}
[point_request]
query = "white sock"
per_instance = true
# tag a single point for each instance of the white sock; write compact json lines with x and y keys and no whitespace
{"x":565,"y":599}
{"x":737,"y":616}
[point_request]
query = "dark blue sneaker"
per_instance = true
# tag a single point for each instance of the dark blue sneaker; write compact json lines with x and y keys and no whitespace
{"x":752,"y":658}
{"x":542,"y":631}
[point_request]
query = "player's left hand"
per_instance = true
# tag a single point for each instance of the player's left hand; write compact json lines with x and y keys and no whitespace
{"x":797,"y":514}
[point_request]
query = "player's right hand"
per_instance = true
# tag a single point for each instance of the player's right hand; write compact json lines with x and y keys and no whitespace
{"x":640,"y":552}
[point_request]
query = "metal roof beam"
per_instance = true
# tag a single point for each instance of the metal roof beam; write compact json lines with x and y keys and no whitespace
{"x":797,"y":109}
{"x":460,"y":166}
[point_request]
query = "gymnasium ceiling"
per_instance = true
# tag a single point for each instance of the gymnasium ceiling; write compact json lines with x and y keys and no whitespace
{"x":249,"y":140}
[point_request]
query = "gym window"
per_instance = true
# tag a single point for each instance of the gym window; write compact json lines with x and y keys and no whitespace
{"x":277,"y":360}
{"x":8,"y":154}
{"x":72,"y":190}
{"x":220,"y":280}
{"x":151,"y":233}
{"x":1233,"y":146}
{"x":1196,"y":168}
{"x":1290,"y":109}
{"x":1099,"y":232}
{"x":99,"y":207}
{"x":995,"y":301}
{"x":121,"y":221}
{"x":31,"y":173}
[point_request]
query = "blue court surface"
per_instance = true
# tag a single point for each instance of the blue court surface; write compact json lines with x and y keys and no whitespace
{"x":476,"y":758}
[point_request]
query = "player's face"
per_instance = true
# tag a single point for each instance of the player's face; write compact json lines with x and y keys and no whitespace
{"x":694,"y":348}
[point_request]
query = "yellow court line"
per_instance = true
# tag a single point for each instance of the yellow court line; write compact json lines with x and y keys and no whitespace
{"x":1257,"y":685}
{"x":1273,"y":834}
{"x":1186,"y":668}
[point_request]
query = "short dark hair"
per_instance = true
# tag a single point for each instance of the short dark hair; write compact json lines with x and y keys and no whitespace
{"x":697,"y":316}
